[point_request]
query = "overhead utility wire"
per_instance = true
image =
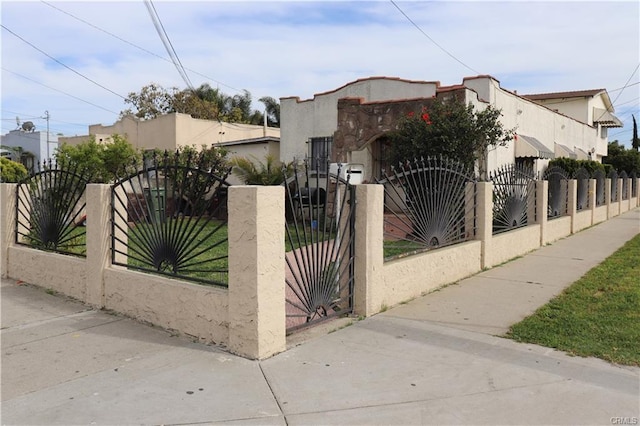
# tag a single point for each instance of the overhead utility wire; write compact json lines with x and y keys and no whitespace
{"x":432,"y":40}
{"x":59,"y":91}
{"x":622,"y":89}
{"x":136,"y":46}
{"x":167,"y":43}
{"x":64,"y":65}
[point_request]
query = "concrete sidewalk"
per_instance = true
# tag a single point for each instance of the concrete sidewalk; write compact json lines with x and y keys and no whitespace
{"x":435,"y":360}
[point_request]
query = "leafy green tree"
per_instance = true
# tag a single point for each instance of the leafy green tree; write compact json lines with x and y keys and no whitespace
{"x":11,"y":171}
{"x":570,"y":165}
{"x":269,"y":172}
{"x":104,"y":162}
{"x":450,"y":129}
{"x":152,"y":101}
{"x":622,"y":159}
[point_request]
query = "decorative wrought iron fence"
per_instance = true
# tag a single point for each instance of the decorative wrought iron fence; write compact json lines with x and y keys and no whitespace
{"x":558,"y":191}
{"x":50,"y":210}
{"x":582,"y":182}
{"x":320,"y":246}
{"x":430,"y":203}
{"x":600,"y":178}
{"x":634,"y":184}
{"x":170,"y":218}
{"x":613,"y":175}
{"x":513,"y":188}
{"x":625,"y":185}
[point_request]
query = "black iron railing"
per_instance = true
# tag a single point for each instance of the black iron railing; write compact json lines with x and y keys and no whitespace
{"x":582,"y":191}
{"x":558,"y":191}
{"x":513,"y":190}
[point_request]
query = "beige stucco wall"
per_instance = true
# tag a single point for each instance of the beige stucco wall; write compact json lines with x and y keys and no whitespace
{"x":59,"y":272}
{"x":600,"y":214}
{"x":508,"y":245}
{"x":582,"y":220}
{"x":171,"y":131}
{"x":196,"y":310}
{"x":556,"y":229}
{"x":301,"y":120}
{"x":412,"y":276}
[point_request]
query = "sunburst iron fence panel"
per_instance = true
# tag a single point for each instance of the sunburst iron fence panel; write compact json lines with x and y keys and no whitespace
{"x":558,"y":191}
{"x":429,"y":204}
{"x":625,"y":185}
{"x":50,"y":210}
{"x":513,"y":192}
{"x":600,"y":178}
{"x":613,"y":175}
{"x":170,"y":218}
{"x":582,"y":182}
{"x":634,"y":184}
{"x":320,"y":246}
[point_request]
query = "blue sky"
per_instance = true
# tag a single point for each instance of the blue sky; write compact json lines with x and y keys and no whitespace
{"x":283,"y":48}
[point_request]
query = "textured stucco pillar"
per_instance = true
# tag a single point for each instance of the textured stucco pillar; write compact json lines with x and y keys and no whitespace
{"x":98,"y":210}
{"x":592,"y":198}
{"x":542,"y":207}
{"x":7,"y":223}
{"x":572,"y":201}
{"x":369,"y":253}
{"x":484,"y":209}
{"x":256,"y":271}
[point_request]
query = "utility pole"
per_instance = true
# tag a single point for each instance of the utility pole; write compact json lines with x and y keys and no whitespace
{"x":47,"y":116}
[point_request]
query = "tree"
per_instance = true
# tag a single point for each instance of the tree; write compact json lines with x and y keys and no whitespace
{"x":269,"y":172}
{"x":11,"y":171}
{"x":635,"y":142}
{"x":622,"y":159}
{"x":449,"y":129}
{"x":101,"y":161}
{"x":204,"y":102}
{"x":272,"y":109}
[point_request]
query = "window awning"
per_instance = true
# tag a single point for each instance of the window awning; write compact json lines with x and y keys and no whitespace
{"x":530,"y":147}
{"x":582,"y":155}
{"x":605,"y":118}
{"x":564,"y":151}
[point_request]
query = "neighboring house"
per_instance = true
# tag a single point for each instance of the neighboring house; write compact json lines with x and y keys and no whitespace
{"x":254,"y":149}
{"x":33,"y":147}
{"x":350,"y":124}
{"x":171,"y":131}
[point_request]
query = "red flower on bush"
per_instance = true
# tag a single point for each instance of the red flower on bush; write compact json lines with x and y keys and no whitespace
{"x":426,"y":118}
{"x":410,"y":114}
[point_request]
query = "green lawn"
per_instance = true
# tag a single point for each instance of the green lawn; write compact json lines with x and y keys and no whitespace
{"x":599,"y":315}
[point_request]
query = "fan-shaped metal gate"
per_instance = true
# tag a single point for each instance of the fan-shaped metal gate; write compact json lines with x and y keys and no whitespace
{"x":320,"y":246}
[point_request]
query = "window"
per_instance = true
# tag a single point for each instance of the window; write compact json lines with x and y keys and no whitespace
{"x":320,"y":153}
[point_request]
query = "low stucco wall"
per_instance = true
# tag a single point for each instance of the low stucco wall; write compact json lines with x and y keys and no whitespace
{"x":614,"y":209}
{"x":62,"y":273}
{"x":507,"y":245}
{"x":412,"y":276}
{"x":600,"y":214}
{"x":582,"y":220}
{"x":193,"y":309}
{"x":556,"y":229}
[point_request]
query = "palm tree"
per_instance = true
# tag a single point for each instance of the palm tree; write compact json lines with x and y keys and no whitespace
{"x":270,"y":172}
{"x":272,"y":109}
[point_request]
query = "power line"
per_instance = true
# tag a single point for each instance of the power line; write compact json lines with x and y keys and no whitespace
{"x":167,"y":43}
{"x":136,"y":46}
{"x":432,"y":40}
{"x":59,"y":91}
{"x":64,"y":65}
{"x":622,"y":89}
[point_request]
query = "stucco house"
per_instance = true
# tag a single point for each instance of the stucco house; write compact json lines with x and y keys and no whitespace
{"x":171,"y":131}
{"x":34,"y":147}
{"x":349,"y":124}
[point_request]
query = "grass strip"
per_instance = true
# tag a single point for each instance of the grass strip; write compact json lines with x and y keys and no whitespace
{"x":598,"y":315}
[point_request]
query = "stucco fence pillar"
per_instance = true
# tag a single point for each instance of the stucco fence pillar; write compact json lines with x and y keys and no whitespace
{"x":484,"y":220}
{"x":542,"y":207}
{"x":256,"y":232}
{"x":369,"y":252}
{"x":7,"y":223}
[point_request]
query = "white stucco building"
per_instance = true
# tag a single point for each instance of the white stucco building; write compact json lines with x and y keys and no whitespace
{"x":35,"y":146}
{"x":349,"y":124}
